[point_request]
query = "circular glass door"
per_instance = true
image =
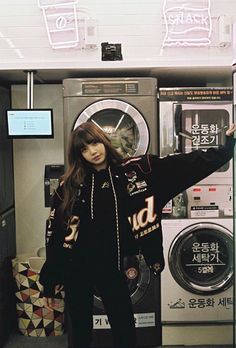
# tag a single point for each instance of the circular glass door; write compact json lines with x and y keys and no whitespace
{"x":123,"y":124}
{"x":137,"y":276}
{"x":201,"y":258}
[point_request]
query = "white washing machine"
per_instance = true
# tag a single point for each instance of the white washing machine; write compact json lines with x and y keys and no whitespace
{"x":191,"y":119}
{"x":196,"y":284}
{"x":125,"y":108}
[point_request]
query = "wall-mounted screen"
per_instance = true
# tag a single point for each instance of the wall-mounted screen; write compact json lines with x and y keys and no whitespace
{"x":29,"y":123}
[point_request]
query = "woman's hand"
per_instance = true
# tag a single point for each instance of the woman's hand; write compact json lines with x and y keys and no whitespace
{"x":230,"y":131}
{"x":49,"y":302}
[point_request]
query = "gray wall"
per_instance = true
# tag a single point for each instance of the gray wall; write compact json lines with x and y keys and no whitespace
{"x":30,"y":157}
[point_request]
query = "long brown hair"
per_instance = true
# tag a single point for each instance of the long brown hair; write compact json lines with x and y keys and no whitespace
{"x":84,"y":134}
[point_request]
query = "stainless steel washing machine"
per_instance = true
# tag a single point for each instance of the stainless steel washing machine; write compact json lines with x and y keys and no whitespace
{"x":191,"y":119}
{"x":196,"y":118}
{"x":125,"y":108}
{"x":196,"y":285}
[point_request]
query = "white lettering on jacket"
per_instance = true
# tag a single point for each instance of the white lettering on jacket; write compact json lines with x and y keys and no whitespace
{"x":144,"y":217}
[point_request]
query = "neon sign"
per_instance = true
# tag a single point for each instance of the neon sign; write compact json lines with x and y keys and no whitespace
{"x":187,"y":23}
{"x":60,"y":19}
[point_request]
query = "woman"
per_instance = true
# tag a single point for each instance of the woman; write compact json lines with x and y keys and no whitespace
{"x":104,"y":209}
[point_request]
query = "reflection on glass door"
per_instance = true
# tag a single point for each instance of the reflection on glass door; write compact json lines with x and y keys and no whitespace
{"x":122,"y":122}
{"x":120,"y":128}
{"x":201,"y":126}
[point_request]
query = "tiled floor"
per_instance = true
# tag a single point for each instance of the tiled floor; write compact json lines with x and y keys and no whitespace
{"x":20,"y":341}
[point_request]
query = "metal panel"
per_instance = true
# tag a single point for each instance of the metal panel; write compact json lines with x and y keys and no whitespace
{"x":6,"y":163}
{"x":82,"y":97}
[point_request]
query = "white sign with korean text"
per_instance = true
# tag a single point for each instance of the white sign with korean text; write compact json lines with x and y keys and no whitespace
{"x":141,"y":320}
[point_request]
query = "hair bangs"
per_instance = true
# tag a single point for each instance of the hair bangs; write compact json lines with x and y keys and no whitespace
{"x":85,"y":137}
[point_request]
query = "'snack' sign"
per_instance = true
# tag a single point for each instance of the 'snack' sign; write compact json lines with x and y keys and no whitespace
{"x":188,"y":23}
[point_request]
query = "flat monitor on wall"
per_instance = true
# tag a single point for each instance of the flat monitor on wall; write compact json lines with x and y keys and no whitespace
{"x":29,"y":123}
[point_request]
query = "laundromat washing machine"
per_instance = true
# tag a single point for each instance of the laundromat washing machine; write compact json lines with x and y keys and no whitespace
{"x":126,"y":109}
{"x":197,"y":282}
{"x":192,"y":119}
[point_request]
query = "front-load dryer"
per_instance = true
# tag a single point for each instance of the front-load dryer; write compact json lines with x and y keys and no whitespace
{"x":125,"y":108}
{"x":196,"y":284}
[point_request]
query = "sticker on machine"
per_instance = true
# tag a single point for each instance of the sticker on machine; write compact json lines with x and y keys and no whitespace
{"x":141,"y":320}
{"x":101,"y":322}
{"x":205,"y":211}
{"x":144,"y":319}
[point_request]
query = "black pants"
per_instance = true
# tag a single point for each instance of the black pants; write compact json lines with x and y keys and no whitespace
{"x":113,"y":289}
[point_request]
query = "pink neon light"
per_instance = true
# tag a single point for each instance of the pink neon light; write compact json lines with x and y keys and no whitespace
{"x":187,"y":26}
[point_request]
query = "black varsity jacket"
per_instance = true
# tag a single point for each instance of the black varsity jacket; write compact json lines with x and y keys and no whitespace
{"x":146,"y":183}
